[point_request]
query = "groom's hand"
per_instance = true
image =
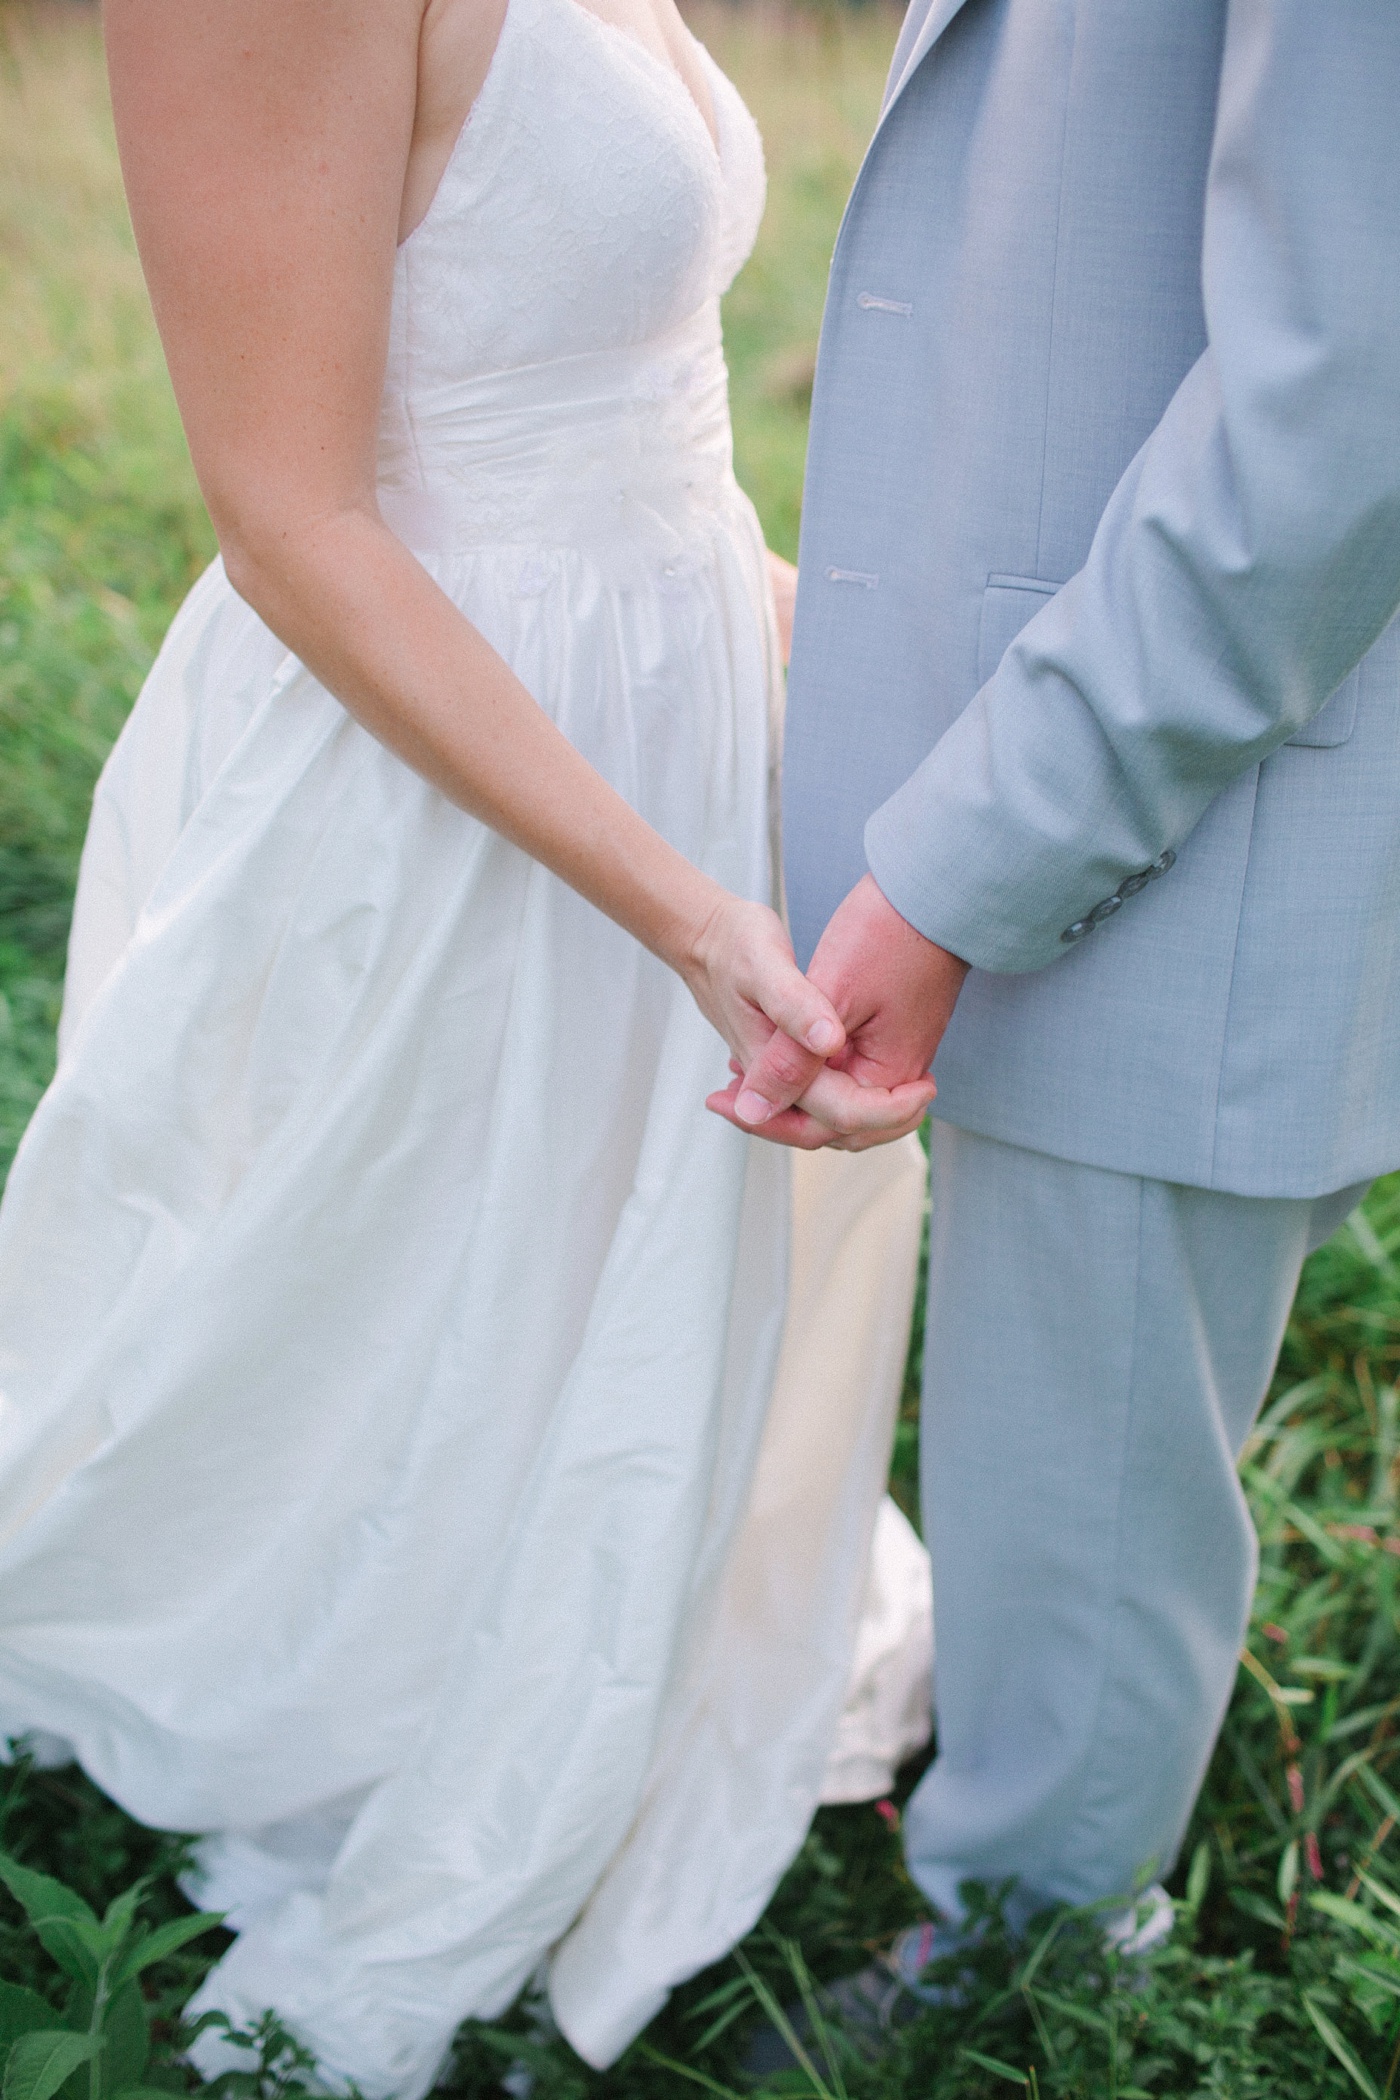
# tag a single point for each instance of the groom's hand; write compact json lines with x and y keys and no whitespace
{"x":895,"y":991}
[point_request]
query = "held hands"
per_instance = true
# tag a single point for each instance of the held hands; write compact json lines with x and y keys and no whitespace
{"x":894,"y":992}
{"x":744,"y":978}
{"x":840,"y":1057}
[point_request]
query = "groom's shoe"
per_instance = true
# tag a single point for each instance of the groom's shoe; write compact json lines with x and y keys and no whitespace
{"x":871,"y":2006}
{"x":1142,"y":1928}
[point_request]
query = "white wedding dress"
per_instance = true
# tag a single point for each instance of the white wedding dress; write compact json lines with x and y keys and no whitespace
{"x":394,"y":1479}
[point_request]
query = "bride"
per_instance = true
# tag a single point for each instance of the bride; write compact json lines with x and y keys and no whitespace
{"x":398,"y":1479}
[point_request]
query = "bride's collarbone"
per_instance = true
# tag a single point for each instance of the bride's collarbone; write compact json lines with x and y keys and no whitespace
{"x":457,"y":43}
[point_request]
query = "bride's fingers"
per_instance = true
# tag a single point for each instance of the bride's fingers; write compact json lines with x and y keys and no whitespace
{"x":865,"y":1141}
{"x":849,"y":1109}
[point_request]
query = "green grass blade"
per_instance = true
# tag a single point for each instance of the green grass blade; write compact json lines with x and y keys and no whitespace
{"x":678,"y":2070}
{"x":819,"y":2025}
{"x":768,"y":2001}
{"x":1346,"y":2056}
{"x":996,"y":2067}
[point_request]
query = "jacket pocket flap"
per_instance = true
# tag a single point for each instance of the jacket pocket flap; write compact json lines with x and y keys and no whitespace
{"x":1007,"y":603}
{"x":1335,"y":719}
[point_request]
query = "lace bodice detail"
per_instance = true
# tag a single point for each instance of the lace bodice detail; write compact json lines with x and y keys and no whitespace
{"x":554,"y":348}
{"x":584,"y":206}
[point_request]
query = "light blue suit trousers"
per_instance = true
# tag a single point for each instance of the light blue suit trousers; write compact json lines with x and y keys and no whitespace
{"x":1098,"y":1347}
{"x":1097,"y":668}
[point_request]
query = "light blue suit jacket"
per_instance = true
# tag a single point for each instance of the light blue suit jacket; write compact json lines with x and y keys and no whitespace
{"x":1100,"y":563}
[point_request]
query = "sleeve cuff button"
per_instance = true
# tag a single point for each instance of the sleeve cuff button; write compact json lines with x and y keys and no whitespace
{"x":1126,"y":889}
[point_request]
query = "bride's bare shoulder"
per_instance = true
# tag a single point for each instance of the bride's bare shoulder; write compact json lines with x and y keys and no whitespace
{"x":265,"y":149}
{"x":246,"y":96}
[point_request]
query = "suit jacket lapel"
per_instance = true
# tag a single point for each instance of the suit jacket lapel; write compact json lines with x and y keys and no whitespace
{"x":914,"y":43}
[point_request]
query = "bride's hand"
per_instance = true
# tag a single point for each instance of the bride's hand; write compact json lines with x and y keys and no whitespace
{"x":744,"y":978}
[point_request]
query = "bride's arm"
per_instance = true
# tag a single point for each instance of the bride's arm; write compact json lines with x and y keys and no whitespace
{"x":265,"y":148}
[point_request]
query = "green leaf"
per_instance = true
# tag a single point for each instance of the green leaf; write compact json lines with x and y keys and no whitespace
{"x":164,"y":1941}
{"x":1254,"y":1906}
{"x":1198,"y":1879}
{"x":128,"y":2031}
{"x":995,"y":2066}
{"x":1344,"y":1912}
{"x":145,"y":2092}
{"x":22,"y":2012}
{"x":1380,"y":1793}
{"x":1288,"y":1871}
{"x":121,"y":1913}
{"x":71,"y":1944}
{"x":1068,"y":2010}
{"x":1381,"y":1893}
{"x":1372,"y":1969}
{"x":1340,"y":2047}
{"x":40,"y":1896}
{"x":65,"y":1925}
{"x":38,"y":2063}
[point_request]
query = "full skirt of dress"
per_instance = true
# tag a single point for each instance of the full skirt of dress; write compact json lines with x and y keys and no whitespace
{"x":394,"y":1482}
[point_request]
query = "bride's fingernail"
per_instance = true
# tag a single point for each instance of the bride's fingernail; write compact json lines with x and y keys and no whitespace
{"x":752,"y":1108}
{"x":823,"y":1036}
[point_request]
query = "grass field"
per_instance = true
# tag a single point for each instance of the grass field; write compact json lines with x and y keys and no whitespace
{"x":1284,"y":1977}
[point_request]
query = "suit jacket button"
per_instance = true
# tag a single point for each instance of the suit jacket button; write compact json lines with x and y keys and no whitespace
{"x":1077,"y":931}
{"x":1105,"y":910}
{"x":1162,"y":863}
{"x":1133,"y":884}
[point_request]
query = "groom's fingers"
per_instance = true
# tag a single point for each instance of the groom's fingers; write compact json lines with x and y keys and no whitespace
{"x":789,"y":1126}
{"x":835,"y":1109}
{"x":781,"y":1071}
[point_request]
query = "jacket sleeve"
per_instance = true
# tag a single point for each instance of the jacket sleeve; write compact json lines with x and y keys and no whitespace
{"x":1247,"y":559}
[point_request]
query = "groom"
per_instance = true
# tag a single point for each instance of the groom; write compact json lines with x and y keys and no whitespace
{"x":1096,"y":689}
